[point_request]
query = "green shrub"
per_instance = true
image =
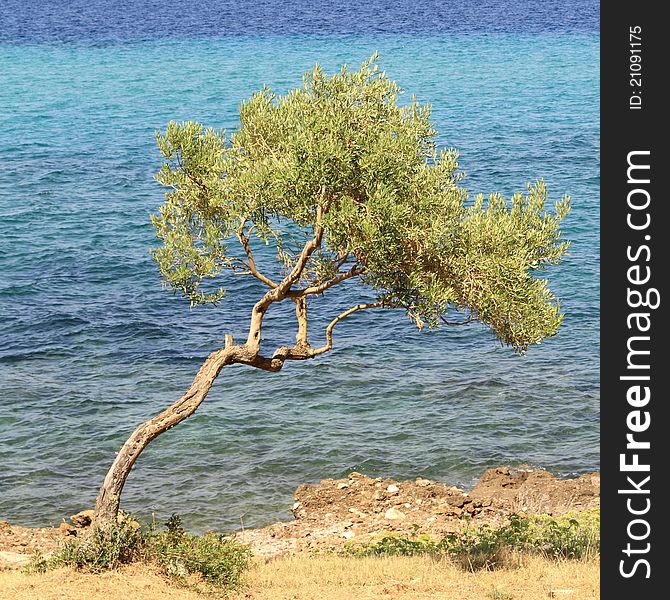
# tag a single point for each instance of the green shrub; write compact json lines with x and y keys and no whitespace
{"x":572,"y":536}
{"x":209,"y":562}
{"x":95,"y":550}
{"x":395,"y":545}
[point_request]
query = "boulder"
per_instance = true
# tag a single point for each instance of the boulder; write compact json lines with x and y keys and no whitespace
{"x":83,"y":518}
{"x":394,"y":514}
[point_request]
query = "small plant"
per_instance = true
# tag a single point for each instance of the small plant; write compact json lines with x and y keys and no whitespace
{"x":572,"y":536}
{"x":393,"y":545}
{"x":95,"y":550}
{"x":208,"y":563}
{"x":477,"y":548}
{"x":38,"y":563}
{"x":174,"y":525}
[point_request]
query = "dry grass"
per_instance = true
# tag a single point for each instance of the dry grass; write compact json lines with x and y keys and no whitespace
{"x":133,"y":582}
{"x":415,"y":578}
{"x":328,"y":578}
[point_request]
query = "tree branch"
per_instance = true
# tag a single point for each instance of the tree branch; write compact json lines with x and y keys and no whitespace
{"x":301,"y":315}
{"x":281,"y":290}
{"x":305,"y":352}
{"x":322,"y":287}
{"x":329,"y":330}
{"x":244,"y":240}
{"x":470,"y":319}
{"x":308,"y":249}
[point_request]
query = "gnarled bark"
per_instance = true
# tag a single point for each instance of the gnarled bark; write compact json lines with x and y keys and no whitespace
{"x":109,"y":496}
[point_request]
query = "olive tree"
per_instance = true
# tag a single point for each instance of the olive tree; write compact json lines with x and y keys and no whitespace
{"x":342,"y":183}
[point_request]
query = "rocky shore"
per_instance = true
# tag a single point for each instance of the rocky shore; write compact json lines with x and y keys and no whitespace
{"x":335,"y":511}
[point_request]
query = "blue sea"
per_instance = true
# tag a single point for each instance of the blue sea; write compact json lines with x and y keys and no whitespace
{"x":91,"y":345}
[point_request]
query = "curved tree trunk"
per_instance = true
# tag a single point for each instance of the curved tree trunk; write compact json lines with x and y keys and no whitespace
{"x":109,"y":496}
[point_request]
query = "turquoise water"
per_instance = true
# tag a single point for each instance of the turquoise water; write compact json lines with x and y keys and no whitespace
{"x":91,"y":344}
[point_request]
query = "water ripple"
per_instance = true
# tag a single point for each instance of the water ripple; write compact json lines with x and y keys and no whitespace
{"x":91,"y":344}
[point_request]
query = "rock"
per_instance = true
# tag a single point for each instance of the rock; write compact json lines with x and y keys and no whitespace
{"x":83,"y":518}
{"x":394,"y":514}
{"x":67,"y":529}
{"x":392,"y":489}
{"x":348,"y":534}
{"x":442,"y":508}
{"x":457,"y":501}
{"x":421,"y":482}
{"x":342,"y":486}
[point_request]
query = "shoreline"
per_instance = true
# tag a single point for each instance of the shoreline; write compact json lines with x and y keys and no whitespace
{"x":358,"y":508}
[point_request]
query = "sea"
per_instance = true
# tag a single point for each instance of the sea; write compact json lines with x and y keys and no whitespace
{"x":91,"y":344}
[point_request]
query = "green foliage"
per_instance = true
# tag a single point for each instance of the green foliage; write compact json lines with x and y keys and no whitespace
{"x":395,"y":545}
{"x":572,"y":536}
{"x":96,"y":550}
{"x":342,"y":153}
{"x":209,"y":563}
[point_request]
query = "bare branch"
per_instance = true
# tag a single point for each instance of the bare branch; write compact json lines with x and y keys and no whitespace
{"x":339,"y":262}
{"x":281,"y":290}
{"x":470,"y":319}
{"x":308,"y":249}
{"x":329,"y":330}
{"x":251,"y":265}
{"x":322,"y":287}
{"x":305,"y":352}
{"x":301,"y":316}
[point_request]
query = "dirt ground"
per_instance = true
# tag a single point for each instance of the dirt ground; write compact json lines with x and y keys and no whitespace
{"x":336,"y":511}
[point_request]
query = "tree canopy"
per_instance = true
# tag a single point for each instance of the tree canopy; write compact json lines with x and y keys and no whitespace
{"x":342,"y":160}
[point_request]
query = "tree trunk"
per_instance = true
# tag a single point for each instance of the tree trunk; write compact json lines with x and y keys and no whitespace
{"x":109,"y":496}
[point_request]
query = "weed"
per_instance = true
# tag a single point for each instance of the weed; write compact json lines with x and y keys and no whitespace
{"x":207,"y":563}
{"x":95,"y":550}
{"x":572,"y":536}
